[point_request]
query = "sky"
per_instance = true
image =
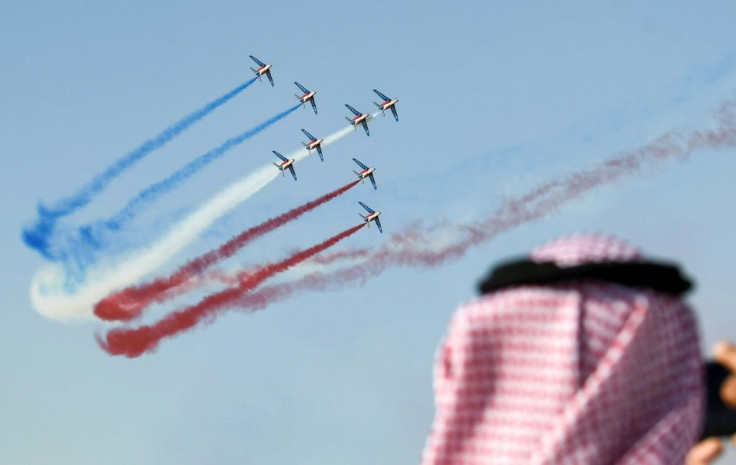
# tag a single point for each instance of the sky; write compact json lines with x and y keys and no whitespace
{"x":495,"y":98}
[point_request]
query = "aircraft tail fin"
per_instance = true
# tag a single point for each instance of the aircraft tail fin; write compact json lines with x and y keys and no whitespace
{"x":383,"y":112}
{"x":304,"y":144}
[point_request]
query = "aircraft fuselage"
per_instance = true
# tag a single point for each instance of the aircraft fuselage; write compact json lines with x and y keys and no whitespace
{"x":313,"y":144}
{"x":263,"y":69}
{"x":359,"y":119}
{"x":372,"y":216}
{"x":308,"y":96}
{"x":284,"y":165}
{"x":389,"y":103}
{"x":365,"y":173}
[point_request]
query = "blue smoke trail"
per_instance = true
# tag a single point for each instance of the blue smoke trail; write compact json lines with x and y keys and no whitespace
{"x":79,"y":252}
{"x":153,"y":192}
{"x":37,"y":236}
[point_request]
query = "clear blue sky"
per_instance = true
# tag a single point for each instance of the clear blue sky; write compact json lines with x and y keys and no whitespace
{"x":494,"y":99}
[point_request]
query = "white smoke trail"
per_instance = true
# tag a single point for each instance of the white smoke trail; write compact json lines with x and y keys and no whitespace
{"x":51,"y":297}
{"x":331,"y":139}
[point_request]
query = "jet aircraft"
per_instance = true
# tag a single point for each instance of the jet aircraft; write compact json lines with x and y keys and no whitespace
{"x":262,"y":69}
{"x":313,"y":143}
{"x":359,"y":118}
{"x":308,"y":96}
{"x":372,"y":216}
{"x":365,"y":173}
{"x":285,"y":163}
{"x":388,"y":104}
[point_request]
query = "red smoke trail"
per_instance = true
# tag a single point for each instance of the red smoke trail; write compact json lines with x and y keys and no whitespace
{"x":130,"y":302}
{"x":550,"y":196}
{"x":339,"y":255}
{"x":134,"y":342}
{"x":414,"y":247}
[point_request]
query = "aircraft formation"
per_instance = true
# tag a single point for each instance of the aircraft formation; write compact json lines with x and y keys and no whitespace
{"x":358,"y":119}
{"x":77,"y":284}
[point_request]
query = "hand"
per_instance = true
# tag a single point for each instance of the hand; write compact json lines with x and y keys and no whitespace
{"x":707,"y":450}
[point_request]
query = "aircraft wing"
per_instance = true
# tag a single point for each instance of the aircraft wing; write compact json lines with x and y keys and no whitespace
{"x":355,"y":112}
{"x":306,"y":133}
{"x":314,"y":105}
{"x":381,"y":95}
{"x":373,"y":180}
{"x":293,"y":173}
{"x":378,"y":223}
{"x":366,"y":207}
{"x":304,"y":89}
{"x":365,"y":126}
{"x":319,"y":151}
{"x":360,"y":164}
{"x":260,"y":63}
{"x":270,"y":78}
{"x":283,"y":158}
{"x":396,"y":114}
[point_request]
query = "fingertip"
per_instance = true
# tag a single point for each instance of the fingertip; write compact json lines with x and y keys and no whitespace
{"x":705,"y":451}
{"x":725,"y":353}
{"x":723,"y":349}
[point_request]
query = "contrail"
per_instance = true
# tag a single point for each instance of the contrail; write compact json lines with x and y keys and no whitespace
{"x":37,"y":235}
{"x":428,"y":246}
{"x":93,"y":236}
{"x":50,"y":293}
{"x":134,"y":342}
{"x":130,"y":302}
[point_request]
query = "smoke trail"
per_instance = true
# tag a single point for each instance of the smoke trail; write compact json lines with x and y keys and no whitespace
{"x":134,"y":342}
{"x":37,"y":236}
{"x":419,"y":246}
{"x":151,"y":193}
{"x":130,"y":302}
{"x":79,"y":250}
{"x":50,"y":293}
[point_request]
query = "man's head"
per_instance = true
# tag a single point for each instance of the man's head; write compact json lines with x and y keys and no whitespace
{"x":581,"y":370}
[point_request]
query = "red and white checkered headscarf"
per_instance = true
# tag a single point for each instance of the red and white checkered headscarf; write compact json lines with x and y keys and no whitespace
{"x":582,"y":373}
